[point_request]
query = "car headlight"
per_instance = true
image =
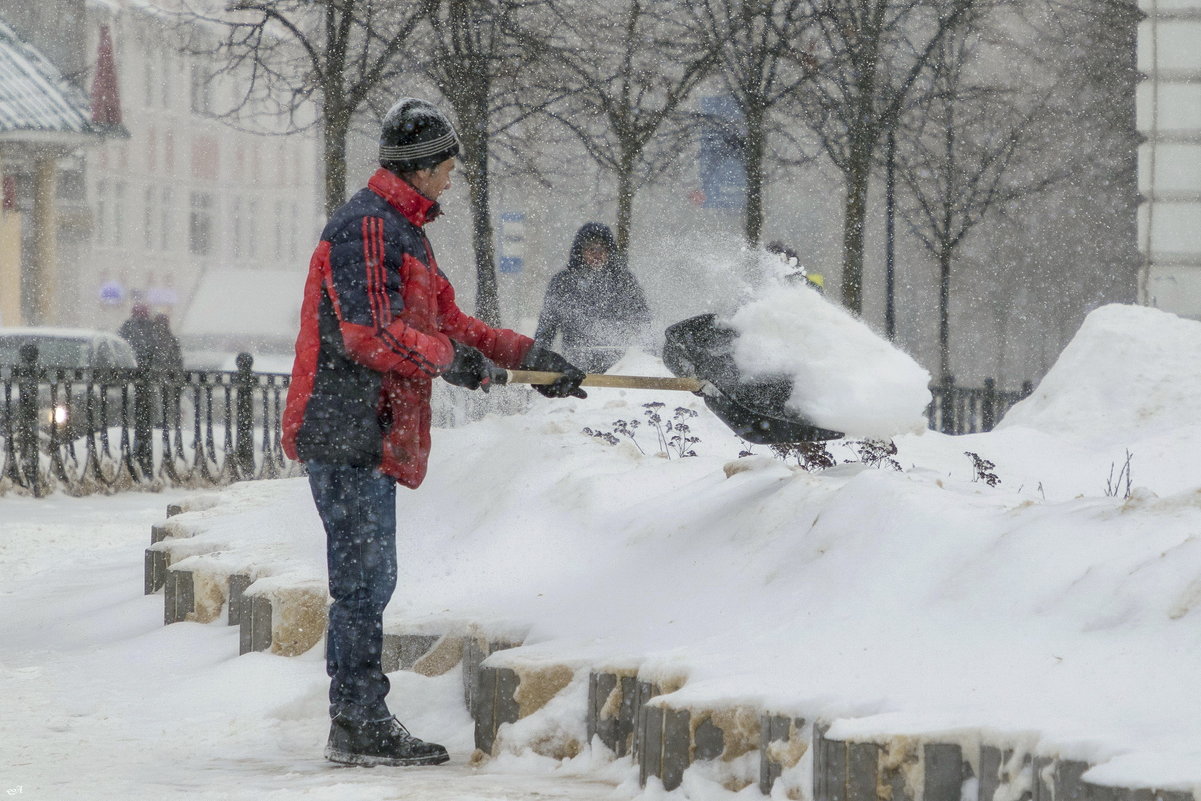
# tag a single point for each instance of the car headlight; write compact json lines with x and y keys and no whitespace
{"x":58,"y":415}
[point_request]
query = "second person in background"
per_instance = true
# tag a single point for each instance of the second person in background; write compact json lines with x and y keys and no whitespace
{"x":595,"y":303}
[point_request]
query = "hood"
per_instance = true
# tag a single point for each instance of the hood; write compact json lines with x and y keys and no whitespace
{"x":592,"y":232}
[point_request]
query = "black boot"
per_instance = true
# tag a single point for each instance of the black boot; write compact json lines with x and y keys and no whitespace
{"x":379,"y":742}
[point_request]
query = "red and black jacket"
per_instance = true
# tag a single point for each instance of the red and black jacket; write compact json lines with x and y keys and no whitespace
{"x":376,"y":324}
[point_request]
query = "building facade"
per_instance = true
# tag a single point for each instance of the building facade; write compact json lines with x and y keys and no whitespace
{"x":1169,"y":118}
{"x":192,"y":198}
{"x":164,"y":195}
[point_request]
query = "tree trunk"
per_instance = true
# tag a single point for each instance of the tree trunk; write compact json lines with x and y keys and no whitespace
{"x":944,"y":311}
{"x":336,"y":126}
{"x":475,"y":169}
{"x":855,"y":214}
{"x":754,"y":147}
{"x":625,"y":206}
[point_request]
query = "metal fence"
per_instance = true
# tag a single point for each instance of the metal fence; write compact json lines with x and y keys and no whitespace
{"x":88,"y":431}
{"x":970,"y":410}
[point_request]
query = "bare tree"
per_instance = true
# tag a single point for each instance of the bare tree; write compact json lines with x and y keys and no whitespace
{"x":626,"y":67}
{"x":755,"y":42}
{"x":477,"y":56}
{"x":869,"y":55}
{"x":333,"y":53}
{"x":966,"y":158}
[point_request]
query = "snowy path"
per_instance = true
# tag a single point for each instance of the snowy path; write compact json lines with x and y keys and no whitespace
{"x":100,"y":701}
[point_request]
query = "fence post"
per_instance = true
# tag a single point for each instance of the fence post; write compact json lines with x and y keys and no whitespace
{"x":26,"y":374}
{"x":950,"y":403}
{"x":244,"y":412}
{"x":143,"y":403}
{"x":988,"y":412}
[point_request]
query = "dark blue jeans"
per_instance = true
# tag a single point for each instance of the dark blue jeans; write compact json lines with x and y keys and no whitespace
{"x":357,"y":505}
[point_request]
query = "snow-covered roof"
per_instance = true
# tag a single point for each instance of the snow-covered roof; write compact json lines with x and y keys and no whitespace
{"x":34,"y":95}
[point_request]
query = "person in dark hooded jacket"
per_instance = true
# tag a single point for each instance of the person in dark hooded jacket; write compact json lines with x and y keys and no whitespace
{"x":595,"y":304}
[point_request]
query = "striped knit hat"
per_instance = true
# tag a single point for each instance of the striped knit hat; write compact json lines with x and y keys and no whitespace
{"x":415,"y":136}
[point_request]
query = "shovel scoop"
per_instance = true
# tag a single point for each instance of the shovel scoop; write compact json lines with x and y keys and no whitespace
{"x":700,"y":353}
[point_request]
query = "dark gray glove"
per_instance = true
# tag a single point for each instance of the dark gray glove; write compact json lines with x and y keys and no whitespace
{"x":540,"y":358}
{"x":473,"y":369}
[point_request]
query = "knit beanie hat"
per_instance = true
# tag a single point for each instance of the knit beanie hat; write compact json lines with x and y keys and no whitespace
{"x":415,"y":136}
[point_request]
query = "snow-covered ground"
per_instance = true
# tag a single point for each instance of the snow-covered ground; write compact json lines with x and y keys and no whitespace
{"x":1058,"y":605}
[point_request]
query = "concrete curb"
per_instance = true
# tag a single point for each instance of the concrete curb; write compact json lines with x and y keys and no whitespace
{"x":635,"y":716}
{"x":285,"y":620}
{"x":675,"y":737}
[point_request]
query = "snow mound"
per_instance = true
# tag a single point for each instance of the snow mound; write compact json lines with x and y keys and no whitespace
{"x":1130,"y":372}
{"x":845,"y":376}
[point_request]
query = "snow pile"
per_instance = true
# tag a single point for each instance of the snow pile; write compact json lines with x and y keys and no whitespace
{"x":920,"y":599}
{"x":845,"y":377}
{"x":1130,"y":371}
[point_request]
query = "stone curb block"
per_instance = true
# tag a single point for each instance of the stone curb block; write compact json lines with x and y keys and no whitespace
{"x":495,"y":703}
{"x":284,"y":620}
{"x":192,"y":595}
{"x":422,"y":653}
{"x":254,"y":624}
{"x":156,"y":560}
{"x":1006,"y":772}
{"x":238,"y":583}
{"x":1058,"y":780}
{"x":905,"y":768}
{"x":614,"y":698}
{"x":1101,"y":792}
{"x":783,"y":740}
{"x":475,"y":650}
{"x":154,"y":567}
{"x":673,"y":738}
{"x":177,"y":596}
{"x":507,"y":694}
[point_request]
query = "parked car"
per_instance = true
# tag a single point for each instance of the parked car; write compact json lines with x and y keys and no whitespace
{"x":70,"y":349}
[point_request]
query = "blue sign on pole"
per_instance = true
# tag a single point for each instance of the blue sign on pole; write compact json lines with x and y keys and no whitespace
{"x":512,"y":242}
{"x":720,"y":160}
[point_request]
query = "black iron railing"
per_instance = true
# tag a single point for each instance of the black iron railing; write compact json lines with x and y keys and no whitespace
{"x":970,"y":410}
{"x":86,"y":431}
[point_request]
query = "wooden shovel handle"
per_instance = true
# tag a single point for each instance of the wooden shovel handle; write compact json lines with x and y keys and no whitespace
{"x":605,"y":380}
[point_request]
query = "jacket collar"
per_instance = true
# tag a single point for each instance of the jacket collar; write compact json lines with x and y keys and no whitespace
{"x":401,"y":195}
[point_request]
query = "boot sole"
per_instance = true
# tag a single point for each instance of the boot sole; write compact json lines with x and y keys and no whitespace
{"x":368,"y":761}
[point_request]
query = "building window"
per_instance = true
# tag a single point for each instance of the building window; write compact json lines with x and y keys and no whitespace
{"x":278,"y":219}
{"x":104,"y":223}
{"x":201,"y":103}
{"x":166,"y":219}
{"x":166,"y":78}
{"x":250,"y":226}
{"x":200,"y":224}
{"x":150,"y":67}
{"x":293,"y":240}
{"x":119,"y":216}
{"x":239,"y":250}
{"x":148,"y":218}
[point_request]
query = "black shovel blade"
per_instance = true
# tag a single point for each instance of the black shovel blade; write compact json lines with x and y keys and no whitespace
{"x":755,"y":410}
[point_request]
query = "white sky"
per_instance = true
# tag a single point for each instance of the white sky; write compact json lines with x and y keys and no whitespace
{"x":888,"y":602}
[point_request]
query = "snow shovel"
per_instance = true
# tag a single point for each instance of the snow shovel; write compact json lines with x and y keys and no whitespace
{"x":699,"y":352}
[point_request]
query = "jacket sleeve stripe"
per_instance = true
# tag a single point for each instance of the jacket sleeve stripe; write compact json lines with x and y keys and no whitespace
{"x":373,"y":267}
{"x":399,"y":348}
{"x":381,"y":267}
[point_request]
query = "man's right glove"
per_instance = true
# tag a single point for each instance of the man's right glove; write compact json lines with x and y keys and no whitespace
{"x":540,"y":358}
{"x":472,"y":369}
